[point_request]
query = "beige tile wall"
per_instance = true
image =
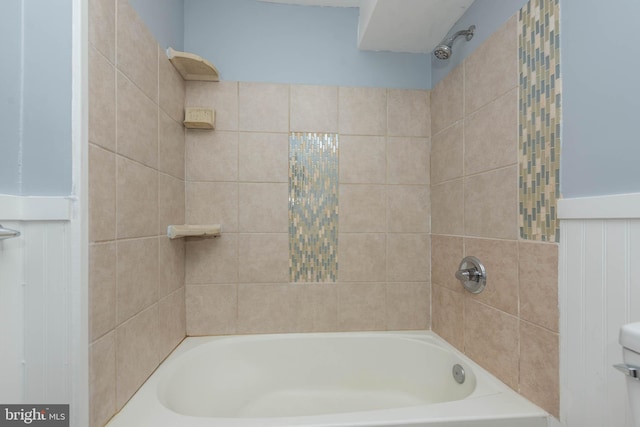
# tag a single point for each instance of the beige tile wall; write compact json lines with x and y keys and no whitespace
{"x":511,"y":328}
{"x":237,"y":175}
{"x":136,"y":188}
{"x":407,"y":202}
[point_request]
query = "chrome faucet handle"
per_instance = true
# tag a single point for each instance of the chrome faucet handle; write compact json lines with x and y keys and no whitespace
{"x":472,"y":274}
{"x":468,"y":274}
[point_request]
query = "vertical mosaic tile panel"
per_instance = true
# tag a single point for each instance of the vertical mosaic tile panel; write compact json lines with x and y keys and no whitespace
{"x":539,"y":119}
{"x":313,"y":207}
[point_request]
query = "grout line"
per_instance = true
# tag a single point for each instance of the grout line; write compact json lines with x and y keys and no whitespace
{"x":116,"y":161}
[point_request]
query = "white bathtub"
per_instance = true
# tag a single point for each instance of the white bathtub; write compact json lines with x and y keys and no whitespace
{"x":330,"y":379}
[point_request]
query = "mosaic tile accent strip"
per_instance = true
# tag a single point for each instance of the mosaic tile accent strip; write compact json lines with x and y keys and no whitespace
{"x":539,"y":119}
{"x":313,"y":207}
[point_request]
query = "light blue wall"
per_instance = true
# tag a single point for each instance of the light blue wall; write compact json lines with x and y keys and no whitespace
{"x":10,"y":30}
{"x":487,"y":16}
{"x":600,"y":57}
{"x":36,"y":98}
{"x":254,"y":41}
{"x":165,"y":19}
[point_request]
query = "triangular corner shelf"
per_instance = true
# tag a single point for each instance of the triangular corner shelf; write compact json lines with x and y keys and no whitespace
{"x":186,"y":230}
{"x":193,"y":67}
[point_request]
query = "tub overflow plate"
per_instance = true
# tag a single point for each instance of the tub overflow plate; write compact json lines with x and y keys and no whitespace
{"x":458,"y":373}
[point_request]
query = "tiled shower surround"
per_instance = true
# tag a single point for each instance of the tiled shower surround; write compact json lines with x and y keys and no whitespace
{"x":238,"y":175}
{"x":136,"y":187}
{"x":511,"y":328}
{"x":424,"y":178}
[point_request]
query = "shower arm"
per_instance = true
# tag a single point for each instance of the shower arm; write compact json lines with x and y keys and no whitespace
{"x":468,"y":33}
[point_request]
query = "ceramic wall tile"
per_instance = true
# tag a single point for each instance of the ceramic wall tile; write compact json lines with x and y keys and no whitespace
{"x":263,"y":208}
{"x":447,"y":150}
{"x":137,"y":275}
{"x":362,"y":160}
{"x":137,"y":124}
{"x":273,"y":308}
{"x":408,"y":306}
{"x":492,"y":69}
{"x":212,"y":260}
{"x":263,"y":157}
{"x":539,"y":367}
{"x":314,"y":108}
{"x":491,"y":204}
{"x":137,"y":50}
{"x":263,"y":107}
{"x":102,"y":101}
{"x":408,"y":160}
{"x":500,"y":258}
{"x":362,"y":257}
{"x":212,"y":309}
{"x":220,"y":96}
{"x":171,"y":146}
{"x":173,"y":323}
{"x":362,"y":208}
{"x":538,"y":271}
{"x":263,"y":258}
{"x":102,"y":380}
{"x":362,"y":111}
{"x":170,"y":202}
{"x":213,"y":203}
{"x":212,"y":156}
{"x":447,"y":316}
{"x":102,"y":194}
{"x":490,"y":135}
{"x":361,"y":306}
{"x":137,"y":353}
{"x":171,"y":265}
{"x":447,"y":100}
{"x":102,"y":27}
{"x":408,"y":257}
{"x":102,"y":289}
{"x":491,"y":338}
{"x":408,"y":113}
{"x":171,"y":88}
{"x":446,"y":254}
{"x":137,"y":199}
{"x":447,"y":208}
{"x":408,"y":209}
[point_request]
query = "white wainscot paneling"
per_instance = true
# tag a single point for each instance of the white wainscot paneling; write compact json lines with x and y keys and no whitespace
{"x":35,"y":319}
{"x":599,"y":292}
{"x":11,"y":317}
{"x":47,"y":312}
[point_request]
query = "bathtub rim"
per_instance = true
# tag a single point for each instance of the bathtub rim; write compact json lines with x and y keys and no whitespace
{"x":491,"y":401}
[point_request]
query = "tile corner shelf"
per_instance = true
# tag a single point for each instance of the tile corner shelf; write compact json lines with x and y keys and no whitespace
{"x":193,"y":67}
{"x":180,"y":231}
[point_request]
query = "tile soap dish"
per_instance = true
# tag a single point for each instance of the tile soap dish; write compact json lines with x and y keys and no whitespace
{"x":199,"y":118}
{"x":193,"y":67}
{"x":180,"y":231}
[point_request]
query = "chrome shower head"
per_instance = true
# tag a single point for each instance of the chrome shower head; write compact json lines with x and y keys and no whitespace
{"x":445,"y":49}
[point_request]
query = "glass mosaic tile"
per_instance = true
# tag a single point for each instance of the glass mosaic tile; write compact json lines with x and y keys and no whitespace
{"x":313,"y":207}
{"x":539,"y":119}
